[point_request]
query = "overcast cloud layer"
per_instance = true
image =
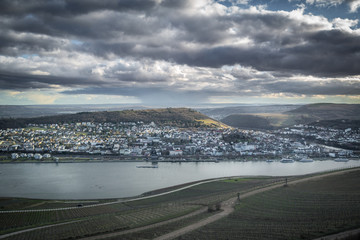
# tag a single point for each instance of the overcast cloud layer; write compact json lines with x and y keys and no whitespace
{"x":177,"y":52}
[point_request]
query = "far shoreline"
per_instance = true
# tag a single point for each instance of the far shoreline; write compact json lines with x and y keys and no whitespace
{"x":5,"y":158}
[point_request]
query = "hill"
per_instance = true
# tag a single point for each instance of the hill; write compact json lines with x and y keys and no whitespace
{"x":328,"y":114}
{"x":337,"y":124}
{"x":179,"y":117}
{"x":328,"y":111}
{"x":32,"y":111}
{"x":247,"y":121}
{"x":222,"y":112}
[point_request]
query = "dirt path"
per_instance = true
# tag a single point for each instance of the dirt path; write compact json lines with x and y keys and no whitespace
{"x":227,"y":207}
{"x":341,"y":235}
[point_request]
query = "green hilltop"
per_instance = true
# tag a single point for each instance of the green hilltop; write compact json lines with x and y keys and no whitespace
{"x":178,"y":117}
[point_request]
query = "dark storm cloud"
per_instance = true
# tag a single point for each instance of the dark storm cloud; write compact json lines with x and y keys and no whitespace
{"x":322,"y":87}
{"x":175,"y":3}
{"x":135,"y":76}
{"x":302,"y":50}
{"x":200,"y":29}
{"x":328,"y":53}
{"x":298,"y":87}
{"x":105,"y":25}
{"x":13,"y":45}
{"x":319,"y":56}
{"x":273,"y":44}
{"x":276,"y":37}
{"x":22,"y":81}
{"x":283,"y":44}
{"x":70,"y":7}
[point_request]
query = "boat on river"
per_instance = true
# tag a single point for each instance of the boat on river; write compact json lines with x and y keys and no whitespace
{"x":341,"y":160}
{"x":148,"y":166}
{"x":287,"y":160}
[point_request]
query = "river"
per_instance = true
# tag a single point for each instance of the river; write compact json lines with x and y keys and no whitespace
{"x":124,"y":179}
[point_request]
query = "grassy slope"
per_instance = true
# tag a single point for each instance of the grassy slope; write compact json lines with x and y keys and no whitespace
{"x":213,"y":123}
{"x":303,"y":211}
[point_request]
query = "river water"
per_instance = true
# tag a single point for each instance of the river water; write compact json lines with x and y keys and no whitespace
{"x":124,"y":179}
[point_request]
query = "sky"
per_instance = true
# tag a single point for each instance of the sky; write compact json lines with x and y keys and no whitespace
{"x":179,"y":52}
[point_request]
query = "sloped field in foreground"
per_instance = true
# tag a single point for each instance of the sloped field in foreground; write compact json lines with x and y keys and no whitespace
{"x":303,"y":211}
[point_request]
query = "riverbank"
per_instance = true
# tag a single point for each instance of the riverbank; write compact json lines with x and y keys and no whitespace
{"x":76,"y":158}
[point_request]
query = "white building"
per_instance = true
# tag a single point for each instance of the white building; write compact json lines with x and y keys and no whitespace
{"x":176,"y":153}
{"x":38,"y":156}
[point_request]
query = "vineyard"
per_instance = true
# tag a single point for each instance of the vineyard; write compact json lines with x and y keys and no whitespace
{"x":163,"y":229}
{"x":86,"y":221}
{"x":30,"y":204}
{"x":303,"y":211}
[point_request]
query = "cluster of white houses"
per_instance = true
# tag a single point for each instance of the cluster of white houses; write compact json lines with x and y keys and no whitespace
{"x":139,"y":139}
{"x":36,"y":156}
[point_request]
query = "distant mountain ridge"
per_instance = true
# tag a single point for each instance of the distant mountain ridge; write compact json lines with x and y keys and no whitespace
{"x":266,"y":117}
{"x":34,"y":111}
{"x":180,"y":117}
{"x":327,"y":113}
{"x":222,"y":112}
{"x":245,"y":121}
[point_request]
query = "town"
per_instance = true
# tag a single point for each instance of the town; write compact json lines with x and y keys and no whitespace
{"x":140,"y":141}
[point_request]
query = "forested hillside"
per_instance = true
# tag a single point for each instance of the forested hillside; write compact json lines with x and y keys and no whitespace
{"x":180,"y":117}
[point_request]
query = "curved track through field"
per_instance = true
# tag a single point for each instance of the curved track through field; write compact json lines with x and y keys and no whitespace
{"x":227,"y":208}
